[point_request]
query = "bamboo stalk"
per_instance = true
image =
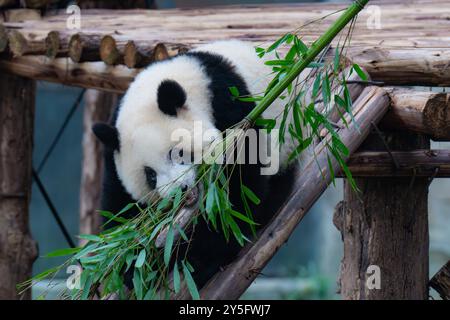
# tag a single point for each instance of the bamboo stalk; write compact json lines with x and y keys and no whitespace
{"x":312,"y":53}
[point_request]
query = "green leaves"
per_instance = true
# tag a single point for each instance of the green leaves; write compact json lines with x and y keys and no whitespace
{"x":140,"y":259}
{"x":250,"y":195}
{"x":62,"y":252}
{"x":168,"y":246}
{"x":192,"y":287}
{"x":359,"y":71}
{"x":176,"y":278}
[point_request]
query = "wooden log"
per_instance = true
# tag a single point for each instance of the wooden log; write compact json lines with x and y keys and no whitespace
{"x":417,"y":163}
{"x":135,"y":57}
{"x":141,"y":56}
{"x":54,"y":47}
{"x":419,"y":111}
{"x":20,"y":46}
{"x":84,"y":48}
{"x":236,"y":277}
{"x":384,"y":228}
{"x":405,"y":66}
{"x":93,"y":75}
{"x":18,"y":250}
{"x":20,"y":15}
{"x":441,"y":281}
{"x":98,"y":108}
{"x":109,"y":52}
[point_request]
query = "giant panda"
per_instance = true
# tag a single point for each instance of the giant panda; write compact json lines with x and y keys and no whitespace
{"x":176,"y":93}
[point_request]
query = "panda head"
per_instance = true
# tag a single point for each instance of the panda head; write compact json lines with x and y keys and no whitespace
{"x":165,"y":101}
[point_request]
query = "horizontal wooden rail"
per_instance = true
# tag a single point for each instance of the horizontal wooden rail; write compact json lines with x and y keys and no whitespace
{"x":420,"y":163}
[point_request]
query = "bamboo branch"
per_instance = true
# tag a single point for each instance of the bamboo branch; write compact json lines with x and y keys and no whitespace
{"x":317,"y":47}
{"x":234,"y":280}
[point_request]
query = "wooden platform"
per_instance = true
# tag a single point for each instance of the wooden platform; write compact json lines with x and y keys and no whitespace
{"x":412,"y":46}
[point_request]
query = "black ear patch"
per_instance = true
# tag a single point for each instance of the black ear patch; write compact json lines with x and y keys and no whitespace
{"x":171,"y":97}
{"x":107,"y":134}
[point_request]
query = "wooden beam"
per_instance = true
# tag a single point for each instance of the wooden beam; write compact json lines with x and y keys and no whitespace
{"x":384,"y":228}
{"x":94,"y":75}
{"x":236,"y":277}
{"x":441,"y":281}
{"x":405,"y":66}
{"x":20,"y":15}
{"x":18,"y":250}
{"x":424,"y":112}
{"x":417,"y":163}
{"x":84,"y":47}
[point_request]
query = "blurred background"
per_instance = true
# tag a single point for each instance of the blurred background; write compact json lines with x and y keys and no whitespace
{"x":306,"y":267}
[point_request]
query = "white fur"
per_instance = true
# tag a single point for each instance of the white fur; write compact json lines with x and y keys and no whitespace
{"x":145,"y":132}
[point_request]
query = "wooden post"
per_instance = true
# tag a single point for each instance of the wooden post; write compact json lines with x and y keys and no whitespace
{"x":17,"y":249}
{"x":385,"y":226}
{"x":98,"y":107}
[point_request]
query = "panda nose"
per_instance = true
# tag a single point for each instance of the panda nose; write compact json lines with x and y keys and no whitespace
{"x":184,"y":188}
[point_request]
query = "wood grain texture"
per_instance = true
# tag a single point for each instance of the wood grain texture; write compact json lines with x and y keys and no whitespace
{"x":98,"y":107}
{"x":441,"y":281}
{"x":424,"y":112}
{"x":411,"y":46}
{"x":17,"y":248}
{"x":417,"y":163}
{"x":385,"y":225}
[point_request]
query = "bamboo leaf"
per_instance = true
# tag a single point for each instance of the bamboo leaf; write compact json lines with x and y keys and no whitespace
{"x":242,"y":217}
{"x":250,"y":195}
{"x":140,"y":259}
{"x":234,"y":91}
{"x":192,"y":287}
{"x":62,"y":252}
{"x":176,"y":278}
{"x":168,"y":246}
{"x":360,"y":73}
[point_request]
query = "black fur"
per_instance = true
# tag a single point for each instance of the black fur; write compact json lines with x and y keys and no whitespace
{"x":107,"y":134}
{"x":227,"y":110}
{"x":171,"y":97}
{"x":209,"y":251}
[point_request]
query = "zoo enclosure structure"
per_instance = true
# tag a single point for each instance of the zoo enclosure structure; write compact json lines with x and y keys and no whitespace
{"x":386,"y":224}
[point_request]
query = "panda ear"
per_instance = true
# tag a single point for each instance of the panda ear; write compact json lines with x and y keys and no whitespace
{"x":171,"y":97}
{"x":107,"y":134}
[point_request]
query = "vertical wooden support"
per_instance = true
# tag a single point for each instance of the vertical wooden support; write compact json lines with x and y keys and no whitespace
{"x":98,"y":107}
{"x":385,"y":226}
{"x":17,"y":249}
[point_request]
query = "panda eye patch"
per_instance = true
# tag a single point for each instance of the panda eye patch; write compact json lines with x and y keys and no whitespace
{"x":150,"y":176}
